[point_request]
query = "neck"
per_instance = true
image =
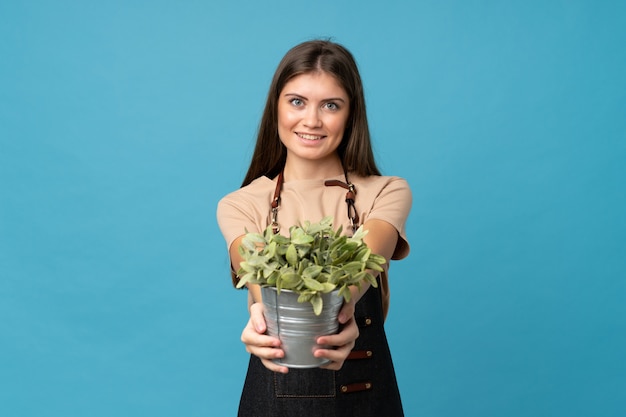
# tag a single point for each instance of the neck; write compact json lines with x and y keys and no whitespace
{"x":312,"y":170}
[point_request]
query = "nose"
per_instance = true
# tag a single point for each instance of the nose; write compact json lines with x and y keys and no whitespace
{"x":312,"y":117}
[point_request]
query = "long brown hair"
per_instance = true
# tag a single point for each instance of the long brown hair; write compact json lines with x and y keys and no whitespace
{"x":355,"y":150}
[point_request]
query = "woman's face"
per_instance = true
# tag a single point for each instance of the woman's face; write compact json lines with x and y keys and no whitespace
{"x":313,"y":110}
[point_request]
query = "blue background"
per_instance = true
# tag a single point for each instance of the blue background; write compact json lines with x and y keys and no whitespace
{"x":123,"y":122}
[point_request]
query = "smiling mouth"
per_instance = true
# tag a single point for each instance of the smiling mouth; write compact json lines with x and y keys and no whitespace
{"x":309,"y":137}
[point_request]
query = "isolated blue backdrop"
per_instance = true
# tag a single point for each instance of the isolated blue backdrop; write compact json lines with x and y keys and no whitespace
{"x":123,"y":122}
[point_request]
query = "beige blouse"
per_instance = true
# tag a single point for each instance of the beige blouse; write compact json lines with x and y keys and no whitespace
{"x":377,"y":197}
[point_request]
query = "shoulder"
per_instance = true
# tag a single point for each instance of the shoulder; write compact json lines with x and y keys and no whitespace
{"x":255,"y":191}
{"x":245,"y":209}
{"x":380,"y":180}
{"x":386,"y":198}
{"x":381,"y":185}
{"x":246,"y":204}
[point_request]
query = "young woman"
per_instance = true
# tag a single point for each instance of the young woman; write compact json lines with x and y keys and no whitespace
{"x":314,"y":128}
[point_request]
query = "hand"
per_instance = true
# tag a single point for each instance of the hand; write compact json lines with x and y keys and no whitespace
{"x":343,"y":341}
{"x":258,"y":343}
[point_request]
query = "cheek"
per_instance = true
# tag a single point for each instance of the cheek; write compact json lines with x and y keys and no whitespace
{"x":285,"y":125}
{"x":339,"y":125}
{"x":285,"y":119}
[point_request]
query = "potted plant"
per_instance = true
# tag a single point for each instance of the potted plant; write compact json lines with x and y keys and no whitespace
{"x":304,"y":279}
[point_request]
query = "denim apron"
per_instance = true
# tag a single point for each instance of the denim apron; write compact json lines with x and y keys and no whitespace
{"x":365,"y":386}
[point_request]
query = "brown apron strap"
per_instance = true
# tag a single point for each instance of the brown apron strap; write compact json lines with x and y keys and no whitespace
{"x":350,"y":196}
{"x":276,"y":203}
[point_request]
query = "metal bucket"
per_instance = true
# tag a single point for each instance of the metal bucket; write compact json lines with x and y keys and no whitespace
{"x":297,"y":326}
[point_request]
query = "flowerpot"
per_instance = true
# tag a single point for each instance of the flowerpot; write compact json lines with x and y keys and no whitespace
{"x":297,"y":326}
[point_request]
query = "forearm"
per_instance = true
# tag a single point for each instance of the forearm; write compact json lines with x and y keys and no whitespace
{"x":356,"y":293}
{"x":254,"y":294}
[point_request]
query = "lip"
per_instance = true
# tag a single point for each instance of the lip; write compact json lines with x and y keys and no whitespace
{"x":309,"y":136}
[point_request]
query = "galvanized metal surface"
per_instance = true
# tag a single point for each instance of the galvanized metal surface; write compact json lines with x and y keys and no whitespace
{"x":298,"y":327}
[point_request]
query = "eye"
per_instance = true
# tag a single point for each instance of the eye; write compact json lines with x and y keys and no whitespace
{"x":296,"y":102}
{"x":332,"y":106}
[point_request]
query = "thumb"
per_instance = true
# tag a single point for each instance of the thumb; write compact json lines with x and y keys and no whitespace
{"x":346,"y":312}
{"x":257,"y":318}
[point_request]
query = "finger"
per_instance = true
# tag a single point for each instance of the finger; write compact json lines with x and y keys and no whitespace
{"x":254,"y":339}
{"x":250,"y":337}
{"x":335,"y":355}
{"x":345,"y":337}
{"x":274,"y":367}
{"x":257,"y":317}
{"x":344,"y":342}
{"x":346,"y":312}
{"x":349,"y":333}
{"x":333,"y":365}
{"x":267,"y":353}
{"x":263,"y":346}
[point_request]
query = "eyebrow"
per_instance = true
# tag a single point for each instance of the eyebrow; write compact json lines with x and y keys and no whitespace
{"x":326,"y":99}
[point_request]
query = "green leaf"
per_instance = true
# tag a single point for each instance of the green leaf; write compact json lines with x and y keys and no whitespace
{"x":253,"y":241}
{"x":257,"y":261}
{"x":313,"y":284}
{"x":305,"y":296}
{"x":279,"y":239}
{"x":340,"y":257}
{"x":324,"y":277}
{"x":325,"y":225}
{"x":271,"y":280}
{"x":301,"y":238}
{"x":269,"y":269}
{"x":244,"y":279}
{"x":314,"y":259}
{"x":338,"y":242}
{"x":359,"y":234}
{"x":374,"y":266}
{"x":290,"y":280}
{"x":271,"y":249}
{"x":317,"y":303}
{"x":246,"y":267}
{"x":344,"y":292}
{"x":359,"y":277}
{"x":379,"y":259}
{"x":353,"y":267}
{"x":337,"y":276}
{"x":301,"y":265}
{"x":372,"y":280}
{"x":303,"y":251}
{"x":363,"y":254}
{"x":292,"y":255}
{"x":312,"y":271}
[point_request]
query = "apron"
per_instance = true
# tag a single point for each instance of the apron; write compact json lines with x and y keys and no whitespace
{"x":365,"y":386}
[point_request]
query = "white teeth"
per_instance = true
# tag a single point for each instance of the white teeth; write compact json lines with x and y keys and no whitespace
{"x":309,"y":137}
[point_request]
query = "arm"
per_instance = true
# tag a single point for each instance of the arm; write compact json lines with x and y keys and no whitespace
{"x":253,"y":335}
{"x":268,"y":348}
{"x":381,"y":239}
